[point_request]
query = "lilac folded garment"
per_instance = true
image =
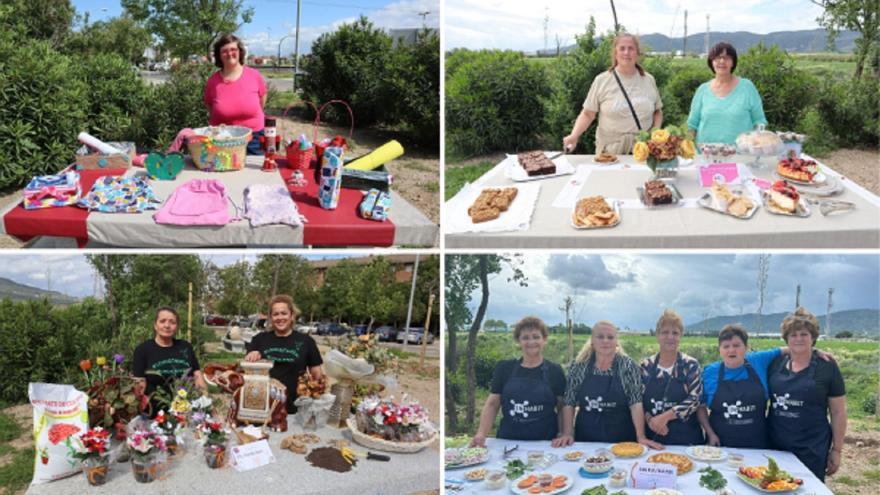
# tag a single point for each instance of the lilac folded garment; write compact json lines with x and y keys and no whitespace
{"x":266,"y":204}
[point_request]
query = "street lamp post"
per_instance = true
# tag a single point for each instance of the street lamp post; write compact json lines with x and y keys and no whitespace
{"x":296,"y":46}
{"x":279,"y":48}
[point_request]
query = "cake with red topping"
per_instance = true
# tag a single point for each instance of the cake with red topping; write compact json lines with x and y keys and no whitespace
{"x":797,"y":169}
{"x":783,"y":197}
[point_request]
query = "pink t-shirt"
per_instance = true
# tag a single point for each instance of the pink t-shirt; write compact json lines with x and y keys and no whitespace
{"x":236,"y":102}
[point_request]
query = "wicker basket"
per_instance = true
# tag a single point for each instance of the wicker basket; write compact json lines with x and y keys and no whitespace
{"x":213,"y":153}
{"x":385,"y":445}
{"x":299,"y":159}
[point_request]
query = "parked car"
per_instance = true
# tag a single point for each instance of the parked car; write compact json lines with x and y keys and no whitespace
{"x":386,"y":333}
{"x":414,"y":336}
{"x":307,"y":328}
{"x":216,"y":320}
{"x":246,"y":329}
{"x":360,"y":329}
{"x":331,"y":328}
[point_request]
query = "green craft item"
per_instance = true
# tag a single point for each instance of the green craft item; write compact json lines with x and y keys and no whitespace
{"x":164,"y":167}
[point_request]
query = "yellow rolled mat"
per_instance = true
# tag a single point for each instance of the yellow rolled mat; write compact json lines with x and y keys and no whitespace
{"x":383,"y":154}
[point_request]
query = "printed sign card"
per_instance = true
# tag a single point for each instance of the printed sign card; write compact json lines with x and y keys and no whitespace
{"x":251,"y":455}
{"x":653,"y":475}
{"x":726,"y":173}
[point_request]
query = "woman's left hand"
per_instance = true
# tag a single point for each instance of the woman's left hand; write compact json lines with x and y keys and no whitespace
{"x":650,"y":443}
{"x":827,"y":356}
{"x":833,"y":462}
{"x":659,"y":425}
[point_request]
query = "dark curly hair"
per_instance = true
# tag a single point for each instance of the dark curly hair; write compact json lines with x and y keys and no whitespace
{"x":225,"y":40}
{"x":717,"y":50}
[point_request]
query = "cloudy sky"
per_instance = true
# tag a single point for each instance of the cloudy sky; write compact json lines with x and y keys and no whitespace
{"x":519,"y":24}
{"x":274,"y":19}
{"x":72,"y":275}
{"x":632,"y":290}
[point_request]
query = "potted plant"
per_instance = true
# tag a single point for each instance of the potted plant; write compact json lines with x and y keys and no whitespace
{"x":199,"y":409}
{"x":145,"y":446}
{"x":216,"y":441}
{"x":661,"y":149}
{"x":169,"y":426}
{"x":92,"y":450}
{"x":115,"y":397}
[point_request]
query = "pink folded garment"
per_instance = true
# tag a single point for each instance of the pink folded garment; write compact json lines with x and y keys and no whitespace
{"x":197,"y":202}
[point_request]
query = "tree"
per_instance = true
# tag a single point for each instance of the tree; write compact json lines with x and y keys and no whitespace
{"x":48,"y":20}
{"x":187,"y":27}
{"x":238,"y":296}
{"x":495,"y":326}
{"x":121,"y":35}
{"x":862,"y":16}
{"x":283,"y":274}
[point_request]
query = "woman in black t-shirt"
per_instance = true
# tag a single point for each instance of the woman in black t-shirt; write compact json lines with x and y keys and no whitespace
{"x":803,"y":391}
{"x":528,"y":390}
{"x":163,"y":358}
{"x":291,"y":352}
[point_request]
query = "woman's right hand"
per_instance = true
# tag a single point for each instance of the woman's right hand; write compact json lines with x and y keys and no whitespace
{"x":562,"y":441}
{"x":252,"y":356}
{"x":712,"y":439}
{"x":569,"y":143}
{"x":478,"y":441}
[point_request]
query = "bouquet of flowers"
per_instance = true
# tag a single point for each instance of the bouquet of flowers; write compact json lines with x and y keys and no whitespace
{"x":174,"y":397}
{"x":199,"y":410}
{"x":115,"y":397}
{"x":92,"y":449}
{"x":144,"y":444}
{"x":169,"y":425}
{"x":367,"y":347}
{"x":384,"y":418}
{"x":662,"y":145}
{"x":214,"y":438}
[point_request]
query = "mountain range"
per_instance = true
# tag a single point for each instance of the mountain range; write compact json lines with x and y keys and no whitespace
{"x":805,"y":41}
{"x":864,"y":322}
{"x":15,"y":291}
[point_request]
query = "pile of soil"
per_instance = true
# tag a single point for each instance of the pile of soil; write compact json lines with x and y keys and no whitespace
{"x":329,"y":458}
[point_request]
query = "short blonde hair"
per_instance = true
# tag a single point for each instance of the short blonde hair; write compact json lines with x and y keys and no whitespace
{"x":530,"y":323}
{"x":801,"y":319}
{"x":284,"y":298}
{"x":617,"y":40}
{"x":587,"y":350}
{"x":670,"y":316}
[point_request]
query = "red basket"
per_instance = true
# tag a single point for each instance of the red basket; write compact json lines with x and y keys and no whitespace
{"x":301,"y":159}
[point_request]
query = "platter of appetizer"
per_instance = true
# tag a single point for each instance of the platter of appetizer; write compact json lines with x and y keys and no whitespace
{"x":545,"y":483}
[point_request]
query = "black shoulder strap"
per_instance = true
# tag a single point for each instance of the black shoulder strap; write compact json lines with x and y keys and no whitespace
{"x":626,"y":96}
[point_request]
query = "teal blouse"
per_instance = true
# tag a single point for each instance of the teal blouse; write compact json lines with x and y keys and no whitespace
{"x":721,"y":120}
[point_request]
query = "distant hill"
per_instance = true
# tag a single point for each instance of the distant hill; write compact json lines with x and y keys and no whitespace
{"x":864,"y":322}
{"x":807,"y":41}
{"x":19,"y":292}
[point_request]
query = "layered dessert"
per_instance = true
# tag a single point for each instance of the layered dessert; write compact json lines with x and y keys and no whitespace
{"x":783,"y":197}
{"x":657,"y":193}
{"x":536,"y":163}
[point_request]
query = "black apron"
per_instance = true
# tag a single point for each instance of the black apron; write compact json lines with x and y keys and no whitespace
{"x":528,"y":407}
{"x":604,"y":414}
{"x":665,"y":393}
{"x":799,"y":416}
{"x":737,"y":412}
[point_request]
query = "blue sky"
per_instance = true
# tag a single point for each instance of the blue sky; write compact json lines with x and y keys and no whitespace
{"x":633,"y":289}
{"x":519,"y":24}
{"x":273,"y":19}
{"x":72,"y":275}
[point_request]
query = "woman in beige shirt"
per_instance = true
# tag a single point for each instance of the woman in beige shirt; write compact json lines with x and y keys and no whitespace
{"x":617,"y":129}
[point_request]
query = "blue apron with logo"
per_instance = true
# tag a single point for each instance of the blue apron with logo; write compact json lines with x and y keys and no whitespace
{"x":799,"y":416}
{"x":737,"y":412}
{"x":665,"y":393}
{"x":528,"y":407}
{"x":604,"y":414}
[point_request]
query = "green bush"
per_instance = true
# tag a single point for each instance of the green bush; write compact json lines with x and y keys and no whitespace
{"x":493,"y":102}
{"x":115,"y":96}
{"x":786,"y":92}
{"x":678,"y":92}
{"x":415,"y":80}
{"x":175,"y":105}
{"x":851,"y":110}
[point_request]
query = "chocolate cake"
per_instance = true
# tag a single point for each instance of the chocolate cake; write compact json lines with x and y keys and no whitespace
{"x":536,"y":163}
{"x":657,"y":193}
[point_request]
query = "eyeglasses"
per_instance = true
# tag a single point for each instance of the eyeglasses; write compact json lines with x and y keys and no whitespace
{"x":227,"y":51}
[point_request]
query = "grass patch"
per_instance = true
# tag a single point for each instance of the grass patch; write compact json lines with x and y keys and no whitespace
{"x":457,"y":177}
{"x":872,"y":475}
{"x":431,"y":187}
{"x":9,"y":428}
{"x":224,"y":357}
{"x":415,"y":165}
{"x":18,"y":472}
{"x":281,"y":99}
{"x":846,"y":480}
{"x":401,"y":354}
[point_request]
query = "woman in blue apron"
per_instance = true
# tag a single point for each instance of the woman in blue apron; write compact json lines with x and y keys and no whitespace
{"x":803,"y":388}
{"x":606,"y":385}
{"x":527,"y":390}
{"x":673,"y":384}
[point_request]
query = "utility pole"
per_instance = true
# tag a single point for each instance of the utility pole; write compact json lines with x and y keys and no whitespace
{"x":546,"y":25}
{"x":828,"y":313}
{"x":412,"y":294}
{"x":296,"y":46}
{"x":797,"y":297}
{"x":566,"y":308}
{"x":684,"y":48}
{"x":427,"y":330}
{"x":189,"y":315}
{"x":707,"y":35}
{"x":614,"y":12}
{"x":424,"y":15}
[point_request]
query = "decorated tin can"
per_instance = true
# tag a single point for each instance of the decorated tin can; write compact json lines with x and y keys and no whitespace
{"x":331,"y":178}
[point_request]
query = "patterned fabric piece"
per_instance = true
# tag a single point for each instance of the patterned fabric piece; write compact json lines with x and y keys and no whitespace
{"x":115,"y":194}
{"x":686,"y":367}
{"x":266,"y":204}
{"x":46,"y":191}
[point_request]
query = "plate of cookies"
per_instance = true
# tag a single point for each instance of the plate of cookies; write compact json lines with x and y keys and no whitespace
{"x":595,"y":212}
{"x":493,"y":208}
{"x":537,"y":165}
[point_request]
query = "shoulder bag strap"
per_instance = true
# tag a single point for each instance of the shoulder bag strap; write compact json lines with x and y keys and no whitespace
{"x":626,"y":96}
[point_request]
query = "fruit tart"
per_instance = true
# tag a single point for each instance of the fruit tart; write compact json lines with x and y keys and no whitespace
{"x":783,"y":197}
{"x":797,"y":169}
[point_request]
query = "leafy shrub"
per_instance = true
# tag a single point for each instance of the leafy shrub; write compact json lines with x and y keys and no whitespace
{"x":115,"y":96}
{"x":493,"y":102}
{"x":415,"y":81}
{"x":851,"y":110}
{"x":869,"y":404}
{"x":678,"y":93}
{"x":175,"y":105}
{"x":786,"y":92}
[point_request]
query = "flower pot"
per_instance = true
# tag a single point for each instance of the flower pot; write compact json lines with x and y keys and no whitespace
{"x":143,"y":468}
{"x":410,"y":436}
{"x":666,"y":169}
{"x":96,"y":469}
{"x":215,"y":455}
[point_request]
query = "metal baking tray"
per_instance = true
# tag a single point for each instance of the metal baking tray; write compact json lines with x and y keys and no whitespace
{"x":670,"y":183}
{"x":802,"y":210}
{"x":613,"y":203}
{"x":706,"y":201}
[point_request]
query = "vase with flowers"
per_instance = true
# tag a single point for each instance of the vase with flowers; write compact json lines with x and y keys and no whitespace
{"x":661,"y":149}
{"x":145,"y":447}
{"x":215,"y":438}
{"x":169,"y":425}
{"x":92,"y":448}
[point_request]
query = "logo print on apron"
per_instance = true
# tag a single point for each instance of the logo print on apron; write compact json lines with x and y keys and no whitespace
{"x":658,"y":406}
{"x":523,"y":408}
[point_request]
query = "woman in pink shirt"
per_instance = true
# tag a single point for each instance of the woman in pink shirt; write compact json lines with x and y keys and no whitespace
{"x":236,"y":94}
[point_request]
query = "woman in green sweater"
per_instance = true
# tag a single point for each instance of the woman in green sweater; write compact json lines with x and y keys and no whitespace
{"x":726,"y":106}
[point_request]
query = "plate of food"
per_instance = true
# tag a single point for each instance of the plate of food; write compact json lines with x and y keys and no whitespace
{"x":783,"y":199}
{"x":476,"y":474}
{"x":628,"y":450}
{"x":735,"y":203}
{"x":574,"y":455}
{"x":595,"y":212}
{"x":536,"y":165}
{"x":546,"y":483}
{"x":705,"y":453}
{"x":769,"y":478}
{"x":604,"y":159}
{"x":663,"y":491}
{"x":465,"y":456}
{"x":659,"y":193}
{"x":681,"y":462}
{"x":800,"y":171}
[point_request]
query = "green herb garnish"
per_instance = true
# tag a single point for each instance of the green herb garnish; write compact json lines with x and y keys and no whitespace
{"x":712,"y":479}
{"x":515,"y":468}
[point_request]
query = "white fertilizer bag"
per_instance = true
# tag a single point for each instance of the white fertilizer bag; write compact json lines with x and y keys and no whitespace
{"x":60,"y":411}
